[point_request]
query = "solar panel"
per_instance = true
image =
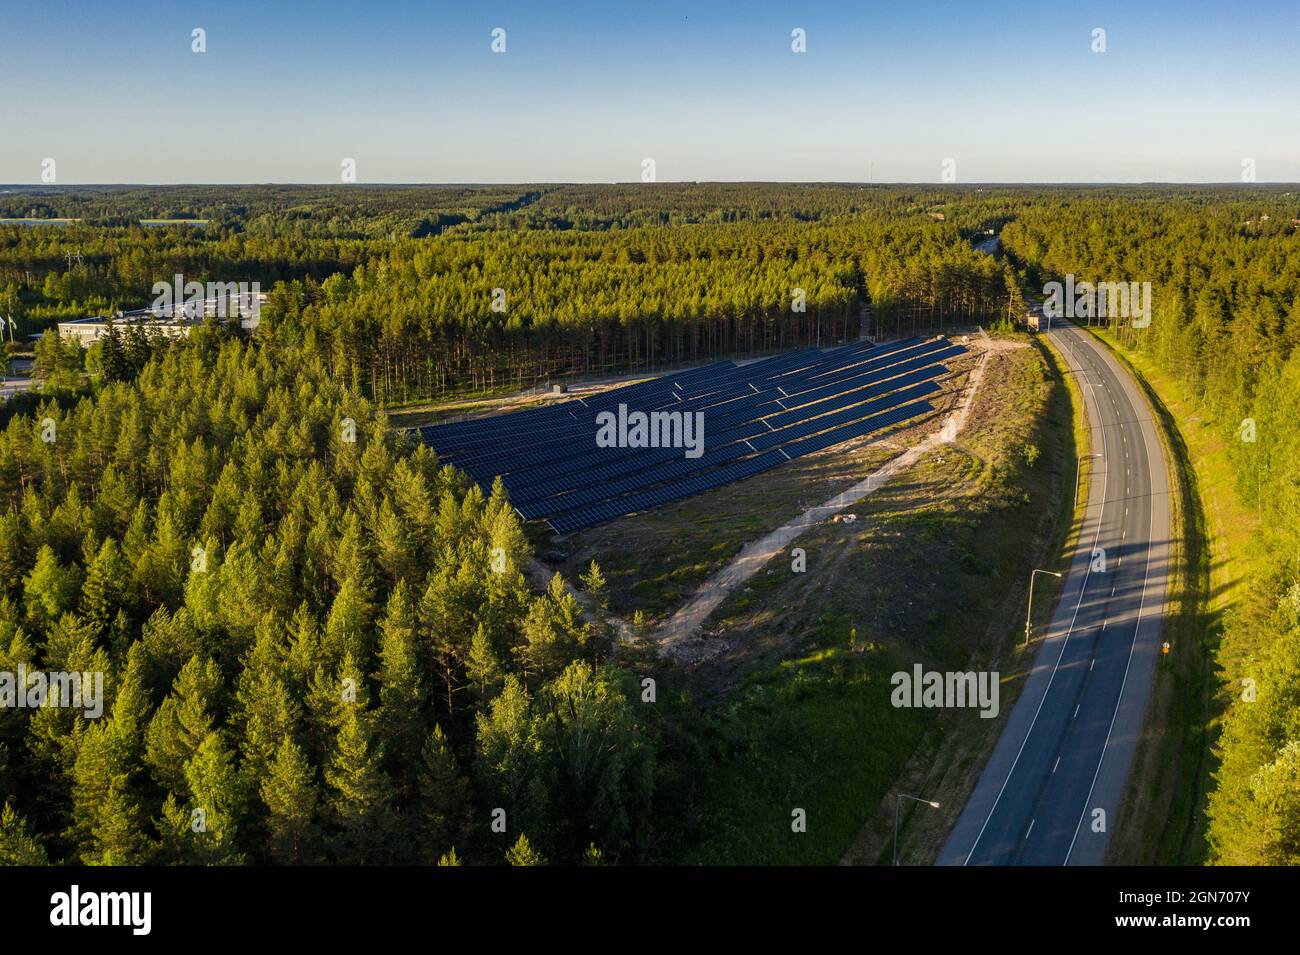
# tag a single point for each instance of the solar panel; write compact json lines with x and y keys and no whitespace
{"x":547,"y":458}
{"x":757,"y":415}
{"x":608,"y":510}
{"x":553,"y":497}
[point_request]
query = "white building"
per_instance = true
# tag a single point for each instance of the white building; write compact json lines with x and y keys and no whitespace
{"x":169,"y":321}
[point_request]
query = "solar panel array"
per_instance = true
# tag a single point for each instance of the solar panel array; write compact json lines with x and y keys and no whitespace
{"x":755,"y":416}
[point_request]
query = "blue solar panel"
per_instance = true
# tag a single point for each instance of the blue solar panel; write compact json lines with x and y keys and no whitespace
{"x":608,"y":510}
{"x":554,"y":496}
{"x":722,"y":426}
{"x":546,"y":457}
{"x":757,"y":415}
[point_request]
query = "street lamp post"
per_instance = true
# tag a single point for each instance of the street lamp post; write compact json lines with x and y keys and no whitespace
{"x":1030,"y":611}
{"x":897,"y":800}
{"x":1078,"y":473}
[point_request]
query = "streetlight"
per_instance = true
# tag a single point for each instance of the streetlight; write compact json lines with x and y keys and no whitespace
{"x":1078,"y":471}
{"x":1029,"y":613}
{"x":897,"y":799}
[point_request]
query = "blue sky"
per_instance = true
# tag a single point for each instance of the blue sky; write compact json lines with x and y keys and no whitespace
{"x":711,"y":91}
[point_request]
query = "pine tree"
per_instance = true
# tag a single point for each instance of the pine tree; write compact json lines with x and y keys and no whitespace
{"x":219,"y":797}
{"x":101,"y":594}
{"x":348,"y":630}
{"x":392,"y":545}
{"x":360,"y":793}
{"x":444,"y":802}
{"x":181,"y":724}
{"x":50,"y":589}
{"x":113,"y":355}
{"x":483,"y":667}
{"x":117,"y":829}
{"x":522,"y":853}
{"x":289,"y":792}
{"x":401,"y":694}
{"x":17,"y":844}
{"x":597,"y":588}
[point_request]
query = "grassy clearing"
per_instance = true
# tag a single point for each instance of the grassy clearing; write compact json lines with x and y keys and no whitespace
{"x":804,"y":718}
{"x":1164,"y":807}
{"x":809,"y":735}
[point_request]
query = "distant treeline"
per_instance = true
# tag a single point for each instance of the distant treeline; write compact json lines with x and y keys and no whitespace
{"x":410,"y":292}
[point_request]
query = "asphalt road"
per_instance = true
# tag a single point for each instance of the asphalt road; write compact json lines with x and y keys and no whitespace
{"x":1068,"y":744}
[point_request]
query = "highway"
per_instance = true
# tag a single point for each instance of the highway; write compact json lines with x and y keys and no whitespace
{"x":1051,"y":791}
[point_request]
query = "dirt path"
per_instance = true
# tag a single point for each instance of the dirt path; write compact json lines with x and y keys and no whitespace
{"x":688,"y":618}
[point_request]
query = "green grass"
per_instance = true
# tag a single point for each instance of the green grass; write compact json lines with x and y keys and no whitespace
{"x":810,"y":735}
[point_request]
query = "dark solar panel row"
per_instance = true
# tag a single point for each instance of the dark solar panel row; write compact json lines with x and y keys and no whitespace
{"x":575,"y":447}
{"x":608,"y":510}
{"x":756,"y":415}
{"x":536,"y":507}
{"x":717,"y":440}
{"x":455,"y":433}
{"x":546,"y":457}
{"x":721,"y":426}
{"x":450,"y":438}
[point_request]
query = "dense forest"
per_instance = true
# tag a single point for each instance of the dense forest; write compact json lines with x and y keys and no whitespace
{"x":450,"y":289}
{"x":321,"y":645}
{"x":318,"y":643}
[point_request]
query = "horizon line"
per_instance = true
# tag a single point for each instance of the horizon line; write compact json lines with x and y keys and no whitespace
{"x":671,"y":182}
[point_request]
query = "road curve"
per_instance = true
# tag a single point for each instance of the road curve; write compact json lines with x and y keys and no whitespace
{"x":1066,"y":749}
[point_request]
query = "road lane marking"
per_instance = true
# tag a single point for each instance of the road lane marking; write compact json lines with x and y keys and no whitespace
{"x":1055,"y":764}
{"x":1031,"y":827}
{"x":1076,"y":709}
{"x":1137,"y":629}
{"x":1083,"y":589}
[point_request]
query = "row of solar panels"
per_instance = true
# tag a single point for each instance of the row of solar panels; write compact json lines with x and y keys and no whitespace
{"x":495,"y":446}
{"x":608,"y":510}
{"x":757,"y":415}
{"x":668,"y":389}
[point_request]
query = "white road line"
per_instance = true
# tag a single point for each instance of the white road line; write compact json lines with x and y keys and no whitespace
{"x":1031,"y":827}
{"x":1083,"y":589}
{"x":1076,"y":709}
{"x":1137,"y":629}
{"x":1092,"y":664}
{"x":1055,"y":764}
